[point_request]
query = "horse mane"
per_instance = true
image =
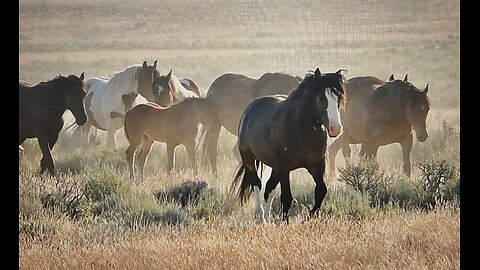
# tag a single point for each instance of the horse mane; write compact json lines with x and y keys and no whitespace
{"x":124,"y":81}
{"x":310,"y":78}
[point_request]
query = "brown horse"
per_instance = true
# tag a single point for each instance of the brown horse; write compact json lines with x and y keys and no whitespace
{"x":231,"y":93}
{"x":380,"y":113}
{"x":174,"y":125}
{"x":358,"y":89}
{"x":169,"y":90}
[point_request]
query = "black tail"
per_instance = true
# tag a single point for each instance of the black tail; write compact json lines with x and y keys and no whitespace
{"x":242,"y":187}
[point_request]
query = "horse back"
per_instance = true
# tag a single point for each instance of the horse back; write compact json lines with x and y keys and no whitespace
{"x":385,"y":117}
{"x":358,"y":91}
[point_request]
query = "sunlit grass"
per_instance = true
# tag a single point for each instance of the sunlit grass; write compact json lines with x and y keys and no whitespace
{"x":120,"y":224}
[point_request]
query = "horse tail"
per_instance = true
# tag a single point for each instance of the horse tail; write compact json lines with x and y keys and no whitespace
{"x":242,"y":187}
{"x":238,"y":188}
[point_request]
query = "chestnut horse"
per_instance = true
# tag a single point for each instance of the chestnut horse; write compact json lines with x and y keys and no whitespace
{"x":380,"y":113}
{"x":231,"y":93}
{"x":174,"y":125}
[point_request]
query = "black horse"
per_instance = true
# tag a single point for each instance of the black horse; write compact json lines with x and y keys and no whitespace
{"x":41,"y":108}
{"x":286,"y":133}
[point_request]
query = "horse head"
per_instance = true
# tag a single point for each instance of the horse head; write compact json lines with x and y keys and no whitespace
{"x":164,"y":90}
{"x":417,"y":111}
{"x":73,"y":88}
{"x":146,"y":75}
{"x":328,"y":98}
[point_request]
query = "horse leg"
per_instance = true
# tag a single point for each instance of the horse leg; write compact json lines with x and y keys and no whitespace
{"x":333,"y":150}
{"x":250,"y":179}
{"x":406,"y":149}
{"x":212,"y":141}
{"x":286,"y":193}
{"x":320,"y":187}
{"x":111,"y":141}
{"x":268,"y":195}
{"x":170,"y":156}
{"x":190,"y":148}
{"x":142,"y":156}
{"x":46,"y":163}
{"x":135,"y":141}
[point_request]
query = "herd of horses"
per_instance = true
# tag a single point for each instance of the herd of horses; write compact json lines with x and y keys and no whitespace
{"x":281,"y":121}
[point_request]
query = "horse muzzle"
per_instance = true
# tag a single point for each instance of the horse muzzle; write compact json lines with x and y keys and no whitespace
{"x":334,"y":130}
{"x":81,"y":120}
{"x":422,"y":137}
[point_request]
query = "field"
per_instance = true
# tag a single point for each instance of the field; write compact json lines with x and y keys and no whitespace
{"x":92,"y":216}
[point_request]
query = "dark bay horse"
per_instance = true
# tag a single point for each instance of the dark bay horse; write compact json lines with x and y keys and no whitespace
{"x":41,"y":108}
{"x":231,"y":93}
{"x":380,"y":113}
{"x":286,"y":133}
{"x":174,"y":125}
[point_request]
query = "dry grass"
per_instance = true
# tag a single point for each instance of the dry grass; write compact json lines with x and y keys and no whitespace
{"x":411,"y":240}
{"x":202,"y":40}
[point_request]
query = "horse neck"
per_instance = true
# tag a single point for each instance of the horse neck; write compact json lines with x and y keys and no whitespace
{"x":124,"y":82}
{"x":302,"y":110}
{"x":56,"y":96}
{"x":202,"y":109}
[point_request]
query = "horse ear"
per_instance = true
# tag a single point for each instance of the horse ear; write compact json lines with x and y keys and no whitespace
{"x":82,"y":76}
{"x":155,"y":64}
{"x":406,"y":77}
{"x":145,"y":64}
{"x":391,"y":78}
{"x":425,"y":91}
{"x":169,"y":75}
{"x":317,"y":73}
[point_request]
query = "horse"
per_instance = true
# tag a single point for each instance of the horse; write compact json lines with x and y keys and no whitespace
{"x":231,"y":93}
{"x":174,"y":125}
{"x":108,"y":99}
{"x":358,"y":89}
{"x":393,"y":112}
{"x":41,"y":108}
{"x":380,"y":113}
{"x":170,"y":90}
{"x":286,"y":133}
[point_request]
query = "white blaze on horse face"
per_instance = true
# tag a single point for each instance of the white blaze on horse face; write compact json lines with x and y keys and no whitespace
{"x":333,"y":114}
{"x":160,"y":89}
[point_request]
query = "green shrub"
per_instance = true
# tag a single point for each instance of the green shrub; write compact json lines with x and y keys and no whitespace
{"x":435,"y":175}
{"x":346,"y":202}
{"x":364,"y":177}
{"x":187,"y":193}
{"x":404,"y":193}
{"x":136,"y":217}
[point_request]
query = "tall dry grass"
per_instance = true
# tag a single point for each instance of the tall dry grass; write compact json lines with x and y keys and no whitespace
{"x":202,"y":40}
{"x":413,"y":240}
